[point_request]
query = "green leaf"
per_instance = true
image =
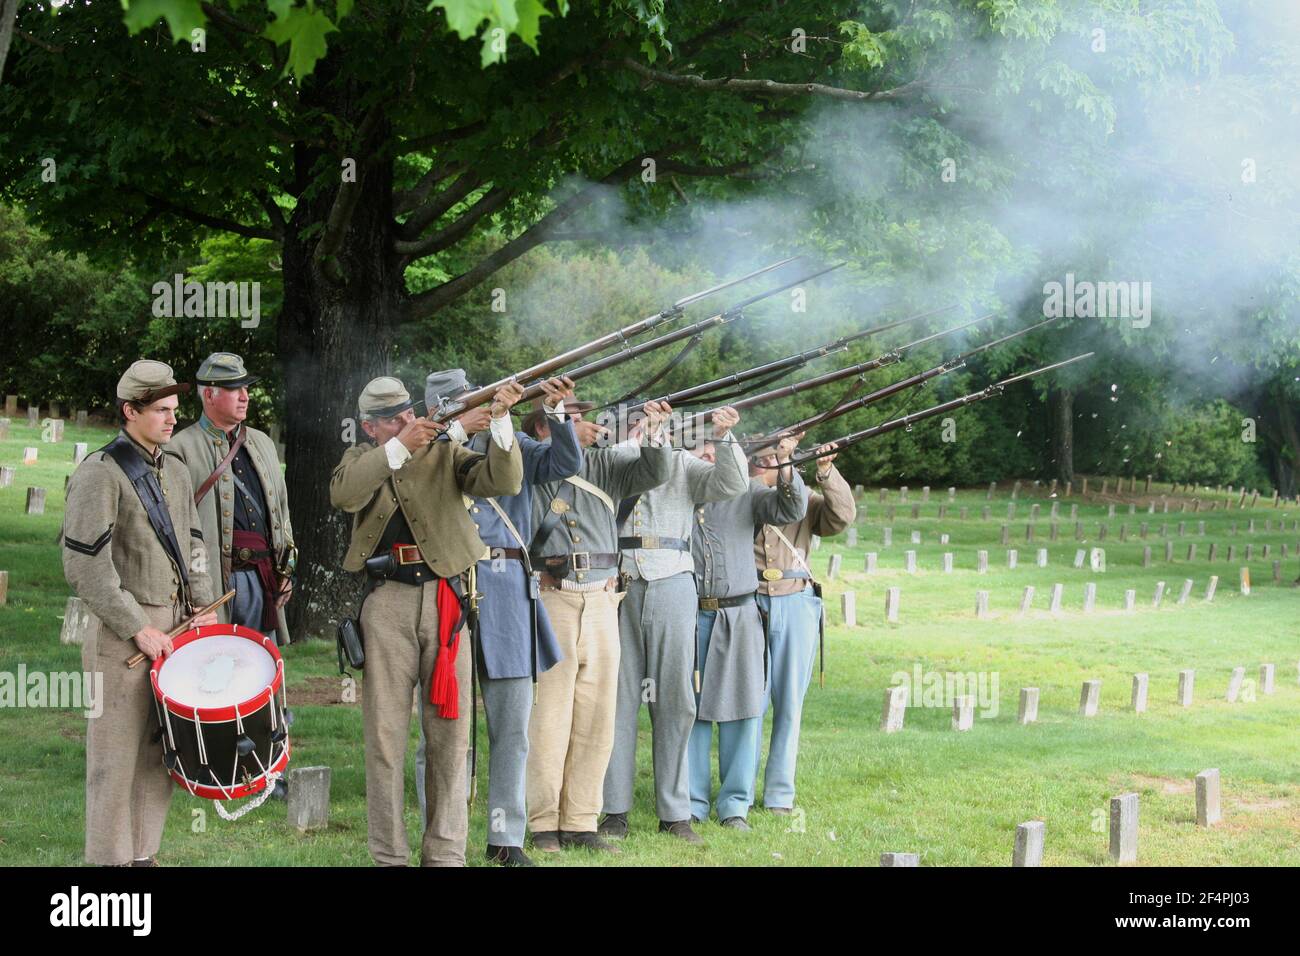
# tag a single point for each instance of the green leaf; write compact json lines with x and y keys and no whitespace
{"x":344,"y":8}
{"x":304,"y":29}
{"x":182,"y":16}
{"x":530,"y":21}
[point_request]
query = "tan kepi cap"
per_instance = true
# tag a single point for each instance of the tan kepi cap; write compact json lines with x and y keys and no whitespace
{"x":146,"y":381}
{"x":224,"y":370}
{"x":384,"y":397}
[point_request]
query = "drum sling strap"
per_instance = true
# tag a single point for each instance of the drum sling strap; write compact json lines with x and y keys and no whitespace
{"x":817,"y":590}
{"x":145,"y":482}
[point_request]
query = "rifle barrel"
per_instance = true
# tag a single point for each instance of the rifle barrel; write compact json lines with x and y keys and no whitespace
{"x":483,"y":394}
{"x":785,"y":391}
{"x":789,"y":362}
{"x":677,"y":335}
{"x":989,"y":391}
{"x":901,"y":385}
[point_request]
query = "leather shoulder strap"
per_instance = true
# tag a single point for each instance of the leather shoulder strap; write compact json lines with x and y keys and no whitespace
{"x":799,"y":559}
{"x":211,"y":480}
{"x":151,"y":497}
{"x":624,"y":509}
{"x":589,"y":488}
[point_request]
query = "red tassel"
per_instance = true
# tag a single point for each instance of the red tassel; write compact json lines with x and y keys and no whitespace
{"x":444,"y":690}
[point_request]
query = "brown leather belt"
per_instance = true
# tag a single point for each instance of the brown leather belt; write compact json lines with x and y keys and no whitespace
{"x":717,"y":604}
{"x":653,"y":543}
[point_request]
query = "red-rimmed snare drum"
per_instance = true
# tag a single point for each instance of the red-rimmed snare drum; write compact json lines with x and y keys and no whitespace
{"x":221,"y":710}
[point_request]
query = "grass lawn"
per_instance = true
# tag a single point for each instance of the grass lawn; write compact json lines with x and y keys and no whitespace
{"x":954,"y":798}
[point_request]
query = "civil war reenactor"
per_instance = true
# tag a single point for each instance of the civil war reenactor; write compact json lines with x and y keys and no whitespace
{"x":790,"y":598}
{"x":732,"y":636}
{"x":576,"y":552}
{"x":242,"y":499}
{"x":130,"y":538}
{"x":514,"y":642}
{"x":414,"y":539}
{"x":657,"y":629}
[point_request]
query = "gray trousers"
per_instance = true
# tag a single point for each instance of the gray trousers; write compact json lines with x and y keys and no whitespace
{"x":246,"y":605}
{"x":656,"y":627}
{"x":508,"y":706}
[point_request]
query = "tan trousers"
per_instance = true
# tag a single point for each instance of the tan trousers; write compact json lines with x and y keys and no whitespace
{"x":399,"y":624}
{"x":127,"y":787}
{"x":571,"y":732}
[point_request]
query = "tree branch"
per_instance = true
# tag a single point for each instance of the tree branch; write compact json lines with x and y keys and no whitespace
{"x":345,"y":200}
{"x":203,"y":219}
{"x":728,"y":84}
{"x":493,"y":200}
{"x":427,"y":303}
{"x":37,"y":41}
{"x":273,"y":213}
{"x":408,"y":200}
{"x":415,"y":224}
{"x":419,"y":143}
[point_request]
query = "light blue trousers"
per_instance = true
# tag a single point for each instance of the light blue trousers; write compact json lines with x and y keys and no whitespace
{"x":738,"y":745}
{"x":792,"y":648}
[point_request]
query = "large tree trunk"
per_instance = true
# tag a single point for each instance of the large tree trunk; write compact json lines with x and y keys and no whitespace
{"x":333,"y":338}
{"x":1061,"y":405}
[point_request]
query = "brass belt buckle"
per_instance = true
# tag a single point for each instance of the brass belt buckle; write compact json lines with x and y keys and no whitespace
{"x":772,"y":574}
{"x":709,"y":604}
{"x":244,"y":554}
{"x":408,"y":549}
{"x":650,"y":543}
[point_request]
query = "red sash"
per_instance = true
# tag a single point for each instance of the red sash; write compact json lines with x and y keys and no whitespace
{"x":444,"y":689}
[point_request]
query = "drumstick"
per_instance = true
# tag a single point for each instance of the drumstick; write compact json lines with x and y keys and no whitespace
{"x":185,"y":625}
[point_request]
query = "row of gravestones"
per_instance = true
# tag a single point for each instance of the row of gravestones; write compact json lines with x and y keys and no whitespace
{"x":1277,"y":502}
{"x":963,"y":707}
{"x":36,"y":496}
{"x":1027,"y":850}
{"x":1069,"y":490}
{"x":893,"y":598}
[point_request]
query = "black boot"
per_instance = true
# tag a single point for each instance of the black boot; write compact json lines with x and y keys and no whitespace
{"x":508,"y":856}
{"x":586,"y":840}
{"x":613,"y":826}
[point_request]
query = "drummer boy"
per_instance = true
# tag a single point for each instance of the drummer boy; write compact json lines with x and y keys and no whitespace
{"x":133,"y":553}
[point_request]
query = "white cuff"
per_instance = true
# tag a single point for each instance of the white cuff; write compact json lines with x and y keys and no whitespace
{"x":556,"y":413}
{"x":396,"y":452}
{"x":503,"y":432}
{"x":456,"y":432}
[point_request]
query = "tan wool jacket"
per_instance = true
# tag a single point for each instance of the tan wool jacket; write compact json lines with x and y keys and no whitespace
{"x":830,"y":511}
{"x":428,"y":490}
{"x":200,"y":447}
{"x":111,"y":556}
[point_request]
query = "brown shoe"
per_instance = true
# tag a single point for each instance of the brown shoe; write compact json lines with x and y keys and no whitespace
{"x":779,"y":811}
{"x":586,"y":840}
{"x":680,"y":829}
{"x":547,"y":841}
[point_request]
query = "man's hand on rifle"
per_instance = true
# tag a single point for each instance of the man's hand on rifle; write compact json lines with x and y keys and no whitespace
{"x":786,"y":446}
{"x":286,"y":592}
{"x":724,"y":420}
{"x":557,"y":390}
{"x":418,"y":432}
{"x":656,"y":413}
{"x":825,"y":455}
{"x":505,"y":398}
{"x":475,"y":420}
{"x":589,"y":432}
